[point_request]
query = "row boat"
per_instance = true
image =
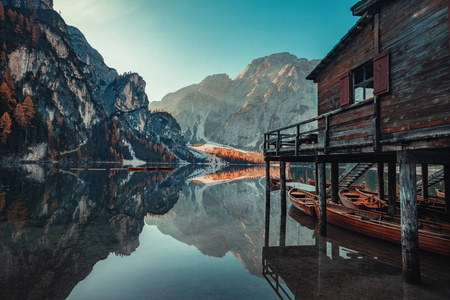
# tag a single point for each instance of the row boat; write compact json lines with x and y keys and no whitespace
{"x":358,"y":200}
{"x":440,"y":193}
{"x":275,"y":183}
{"x":434,"y":236}
{"x":303,"y":200}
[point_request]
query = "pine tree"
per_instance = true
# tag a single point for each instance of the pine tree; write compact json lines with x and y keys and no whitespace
{"x":28,"y":108}
{"x":2,"y":12}
{"x":7,"y":102}
{"x":12,"y":15}
{"x":19,"y":116}
{"x":3,"y":56}
{"x":5,"y":127}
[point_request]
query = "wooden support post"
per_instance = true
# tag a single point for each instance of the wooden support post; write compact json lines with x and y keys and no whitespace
{"x":283,"y":203}
{"x":316,"y":178}
{"x":392,"y":188}
{"x":266,"y":237}
{"x":380,"y":173}
{"x":322,"y":200}
{"x":425,"y":181}
{"x":409,"y":223}
{"x":447,"y":187}
{"x":335,"y":182}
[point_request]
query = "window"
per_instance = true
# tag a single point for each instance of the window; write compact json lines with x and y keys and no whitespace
{"x":368,"y":80}
{"x":363,"y":82}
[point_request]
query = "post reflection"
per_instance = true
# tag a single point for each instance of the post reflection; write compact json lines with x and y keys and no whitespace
{"x":344,"y":265}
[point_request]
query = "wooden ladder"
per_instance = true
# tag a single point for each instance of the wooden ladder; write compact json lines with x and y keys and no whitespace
{"x":351,"y":174}
{"x":432,"y":179}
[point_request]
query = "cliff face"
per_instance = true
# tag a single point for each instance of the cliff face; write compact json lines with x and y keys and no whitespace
{"x":79,"y":101}
{"x":271,"y":92}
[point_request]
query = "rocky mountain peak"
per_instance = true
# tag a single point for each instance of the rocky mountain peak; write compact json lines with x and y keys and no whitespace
{"x":30,"y":4}
{"x":215,"y":85}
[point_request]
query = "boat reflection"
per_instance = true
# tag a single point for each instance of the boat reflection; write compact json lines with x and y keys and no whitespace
{"x":346,"y":265}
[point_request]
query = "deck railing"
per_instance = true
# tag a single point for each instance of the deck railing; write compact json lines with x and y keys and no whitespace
{"x":309,"y":131}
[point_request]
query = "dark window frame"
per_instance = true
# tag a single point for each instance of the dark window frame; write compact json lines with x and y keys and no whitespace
{"x":363,"y":83}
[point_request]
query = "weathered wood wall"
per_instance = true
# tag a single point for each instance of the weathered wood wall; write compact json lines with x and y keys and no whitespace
{"x":416,"y":33}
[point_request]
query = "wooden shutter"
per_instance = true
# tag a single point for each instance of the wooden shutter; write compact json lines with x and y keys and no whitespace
{"x":345,"y":90}
{"x":381,"y":73}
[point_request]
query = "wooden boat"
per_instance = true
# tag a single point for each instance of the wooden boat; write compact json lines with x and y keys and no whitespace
{"x":434,"y":236}
{"x":275,"y":183}
{"x":440,"y":193}
{"x":159,"y":168}
{"x":354,"y":186}
{"x":303,"y":200}
{"x":134,"y":169}
{"x":313,"y":182}
{"x":359,"y":200}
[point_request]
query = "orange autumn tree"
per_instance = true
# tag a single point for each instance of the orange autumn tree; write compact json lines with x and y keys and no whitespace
{"x":2,"y":12}
{"x":20,"y":117}
{"x":28,"y":108}
{"x":7,"y":101}
{"x":5,"y":127}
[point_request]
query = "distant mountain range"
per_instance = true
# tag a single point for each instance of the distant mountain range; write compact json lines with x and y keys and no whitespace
{"x":271,"y":92}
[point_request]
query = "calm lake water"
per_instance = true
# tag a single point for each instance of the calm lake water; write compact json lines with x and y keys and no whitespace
{"x":192,"y":233}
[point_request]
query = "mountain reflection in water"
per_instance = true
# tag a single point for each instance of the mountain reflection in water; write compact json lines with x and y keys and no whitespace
{"x":105,"y":233}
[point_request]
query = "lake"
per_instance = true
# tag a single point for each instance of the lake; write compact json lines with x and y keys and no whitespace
{"x":99,"y":232}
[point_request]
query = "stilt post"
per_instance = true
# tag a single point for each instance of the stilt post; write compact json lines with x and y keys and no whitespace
{"x":409,"y":223}
{"x":425,"y":181}
{"x":283,"y":203}
{"x":380,"y":173}
{"x":335,"y":182}
{"x":392,"y":188}
{"x":266,"y":237}
{"x":322,"y":200}
{"x":447,"y":187}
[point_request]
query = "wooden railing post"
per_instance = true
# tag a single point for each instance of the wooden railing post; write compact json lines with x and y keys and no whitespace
{"x":297,"y":140}
{"x":326,"y":141}
{"x":283,"y":203}
{"x":278,"y":142}
{"x":425,"y":181}
{"x":266,"y":237}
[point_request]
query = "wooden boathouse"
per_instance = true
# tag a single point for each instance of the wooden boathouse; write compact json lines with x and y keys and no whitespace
{"x":384,"y":99}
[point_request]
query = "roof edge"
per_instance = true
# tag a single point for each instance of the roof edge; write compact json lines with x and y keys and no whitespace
{"x":363,"y":6}
{"x":360,"y":24}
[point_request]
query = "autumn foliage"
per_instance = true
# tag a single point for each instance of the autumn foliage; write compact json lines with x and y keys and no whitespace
{"x":237,"y":156}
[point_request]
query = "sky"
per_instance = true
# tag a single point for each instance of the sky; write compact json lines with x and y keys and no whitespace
{"x":176,"y":43}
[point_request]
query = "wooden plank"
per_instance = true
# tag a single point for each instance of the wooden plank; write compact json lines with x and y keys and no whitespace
{"x":409,"y":223}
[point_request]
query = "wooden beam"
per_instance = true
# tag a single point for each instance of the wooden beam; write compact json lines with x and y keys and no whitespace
{"x":447,"y":187}
{"x":266,"y":237}
{"x":409,"y":223}
{"x":425,"y":181}
{"x":425,"y":156}
{"x":322,"y":199}
{"x":283,"y":203}
{"x":380,"y":173}
{"x":335,"y":182}
{"x":392,"y":188}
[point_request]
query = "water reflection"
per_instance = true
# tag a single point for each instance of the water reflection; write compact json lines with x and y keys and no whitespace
{"x":345,"y":265}
{"x":55,"y":225}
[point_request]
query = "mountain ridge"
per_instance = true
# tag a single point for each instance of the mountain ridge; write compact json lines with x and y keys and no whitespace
{"x":270,"y":92}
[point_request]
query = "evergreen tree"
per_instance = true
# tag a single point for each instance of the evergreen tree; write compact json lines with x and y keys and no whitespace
{"x":5,"y":127}
{"x":19,"y":116}
{"x":2,"y":12}
{"x":28,"y":108}
{"x":3,"y":56}
{"x":7,"y":102}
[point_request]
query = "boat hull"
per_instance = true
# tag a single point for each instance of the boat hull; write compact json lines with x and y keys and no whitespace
{"x":365,"y":222}
{"x":303,"y":200}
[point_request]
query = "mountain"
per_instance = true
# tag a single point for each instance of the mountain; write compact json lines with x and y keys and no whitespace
{"x":62,"y":102}
{"x":271,"y":92}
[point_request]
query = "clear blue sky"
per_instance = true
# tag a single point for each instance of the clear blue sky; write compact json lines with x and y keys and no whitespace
{"x":175,"y":43}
